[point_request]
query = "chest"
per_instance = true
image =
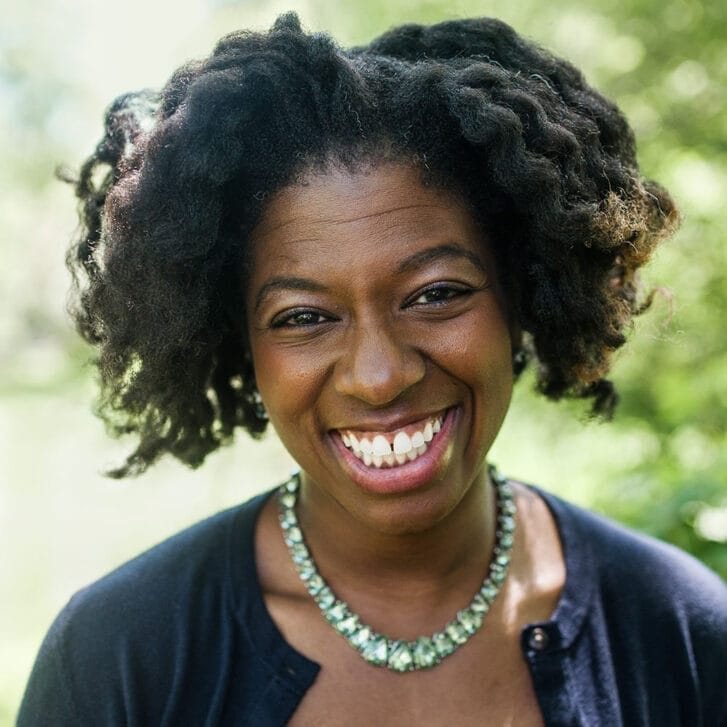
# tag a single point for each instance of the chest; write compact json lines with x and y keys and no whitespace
{"x":485,"y":682}
{"x":335,"y":701}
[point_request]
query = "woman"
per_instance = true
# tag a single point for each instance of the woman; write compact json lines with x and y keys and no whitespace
{"x":366,"y":247}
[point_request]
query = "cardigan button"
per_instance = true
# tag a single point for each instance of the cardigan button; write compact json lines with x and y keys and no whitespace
{"x":539,"y":639}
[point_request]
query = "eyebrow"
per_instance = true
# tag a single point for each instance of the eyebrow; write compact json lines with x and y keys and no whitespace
{"x":448,"y":251}
{"x":419,"y":259}
{"x":286,"y":283}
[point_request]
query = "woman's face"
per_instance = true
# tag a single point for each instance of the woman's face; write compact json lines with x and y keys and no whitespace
{"x":380,"y":342}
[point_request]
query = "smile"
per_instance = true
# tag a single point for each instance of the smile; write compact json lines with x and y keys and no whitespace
{"x":392,"y":449}
{"x":401,"y":459}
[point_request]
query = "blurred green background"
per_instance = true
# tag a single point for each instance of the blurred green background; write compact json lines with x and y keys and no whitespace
{"x":660,"y":466}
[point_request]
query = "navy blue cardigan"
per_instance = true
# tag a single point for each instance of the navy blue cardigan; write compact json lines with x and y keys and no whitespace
{"x":181,"y":636}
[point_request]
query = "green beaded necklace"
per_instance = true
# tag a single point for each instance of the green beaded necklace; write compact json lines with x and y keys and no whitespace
{"x":395,"y":654}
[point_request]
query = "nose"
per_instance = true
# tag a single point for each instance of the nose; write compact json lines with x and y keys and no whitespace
{"x":377,"y":366}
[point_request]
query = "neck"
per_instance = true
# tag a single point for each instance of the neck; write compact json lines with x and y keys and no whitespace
{"x":439,"y":563}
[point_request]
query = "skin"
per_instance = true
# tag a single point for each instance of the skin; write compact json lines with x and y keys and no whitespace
{"x":373,"y":302}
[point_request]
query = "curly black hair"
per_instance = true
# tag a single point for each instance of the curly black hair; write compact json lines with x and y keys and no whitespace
{"x":180,"y":178}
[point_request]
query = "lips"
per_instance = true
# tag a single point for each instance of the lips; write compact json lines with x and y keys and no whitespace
{"x":398,"y":459}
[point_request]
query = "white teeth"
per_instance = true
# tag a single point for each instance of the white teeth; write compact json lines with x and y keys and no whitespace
{"x":428,"y":433}
{"x":402,"y":443}
{"x":379,"y":452}
{"x":380,"y":446}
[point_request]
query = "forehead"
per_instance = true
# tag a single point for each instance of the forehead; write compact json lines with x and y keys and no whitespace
{"x":341,"y":217}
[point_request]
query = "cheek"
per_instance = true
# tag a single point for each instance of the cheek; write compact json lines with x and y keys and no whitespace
{"x":479,"y":350}
{"x":490,"y":374}
{"x":287,"y":379}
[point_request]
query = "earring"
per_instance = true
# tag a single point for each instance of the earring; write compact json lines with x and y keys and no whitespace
{"x":260,"y":411}
{"x":519,"y":361}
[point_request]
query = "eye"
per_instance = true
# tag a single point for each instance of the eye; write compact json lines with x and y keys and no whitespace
{"x":299,"y":319}
{"x":440,"y":294}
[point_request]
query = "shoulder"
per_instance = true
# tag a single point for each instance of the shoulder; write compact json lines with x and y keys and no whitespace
{"x":656,"y":615}
{"x":660,"y":614}
{"x":187,"y":562}
{"x":637,"y":564}
{"x":134,"y":631}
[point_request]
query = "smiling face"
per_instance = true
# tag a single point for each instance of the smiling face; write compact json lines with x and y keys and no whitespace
{"x":380,"y":342}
